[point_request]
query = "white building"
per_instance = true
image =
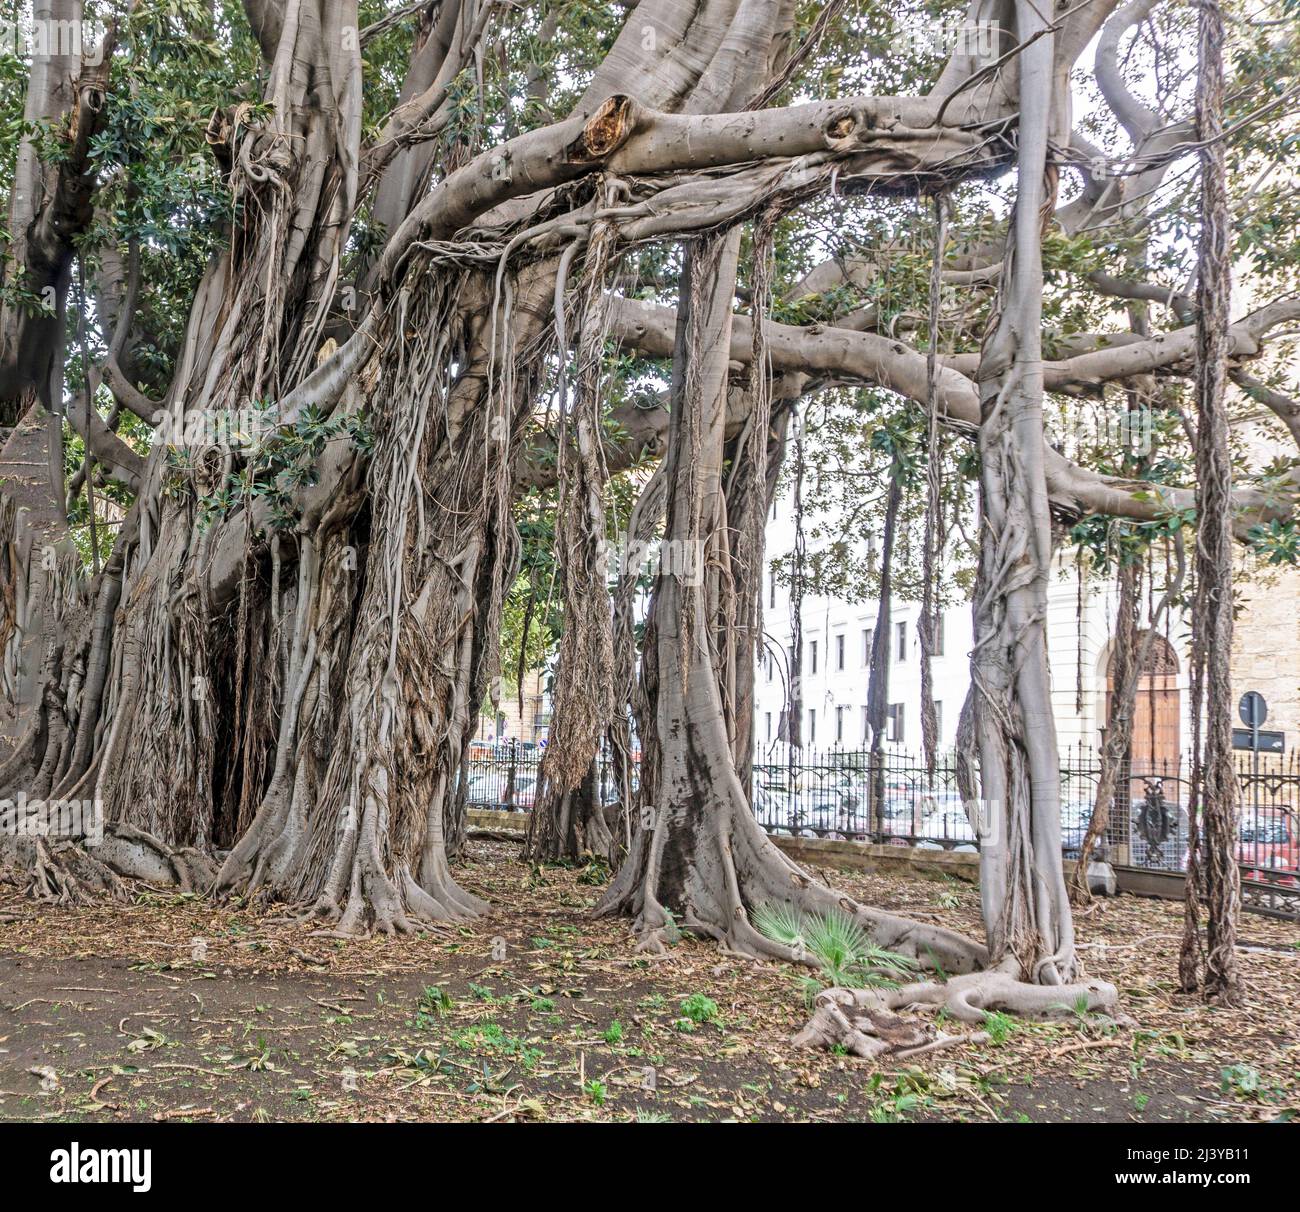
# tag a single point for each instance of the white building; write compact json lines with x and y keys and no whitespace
{"x":837,"y":638}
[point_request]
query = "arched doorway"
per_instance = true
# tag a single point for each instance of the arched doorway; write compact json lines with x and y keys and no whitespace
{"x":1157,"y":712}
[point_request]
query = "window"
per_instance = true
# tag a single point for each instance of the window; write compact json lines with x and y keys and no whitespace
{"x":936,"y":645}
{"x":866,"y":726}
{"x":839,"y":652}
{"x":894,"y":723}
{"x":938,"y":722}
{"x":901,"y":630}
{"x":839,"y":725}
{"x":771,"y":664}
{"x":868,"y":638}
{"x":769,"y":725}
{"x":771,"y":589}
{"x":812,"y":725}
{"x":812,"y":656}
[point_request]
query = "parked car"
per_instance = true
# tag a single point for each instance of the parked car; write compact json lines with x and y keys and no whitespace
{"x":1075,"y":818}
{"x":899,"y":818}
{"x":1268,"y":846}
{"x":489,"y":790}
{"x":772,"y":807}
{"x":816,"y":808}
{"x":948,"y":821}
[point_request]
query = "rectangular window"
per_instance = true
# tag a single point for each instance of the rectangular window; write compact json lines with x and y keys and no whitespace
{"x":937,"y":645}
{"x":771,"y":590}
{"x":901,"y":630}
{"x":812,"y":656}
{"x":812,"y":725}
{"x":839,"y":652}
{"x":770,"y":666}
{"x":866,"y":727}
{"x":938,"y":723}
{"x":894,"y":725}
{"x":839,"y":725}
{"x":868,"y":638}
{"x":769,"y":725}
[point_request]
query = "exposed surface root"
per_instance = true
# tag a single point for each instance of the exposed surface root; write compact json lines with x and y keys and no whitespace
{"x":863,"y":1022}
{"x":68,"y":872}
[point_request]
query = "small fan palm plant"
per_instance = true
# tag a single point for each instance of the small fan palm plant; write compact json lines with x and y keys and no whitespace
{"x":842,"y":950}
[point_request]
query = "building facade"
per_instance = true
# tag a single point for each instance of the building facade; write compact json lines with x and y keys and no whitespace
{"x":838,"y":637}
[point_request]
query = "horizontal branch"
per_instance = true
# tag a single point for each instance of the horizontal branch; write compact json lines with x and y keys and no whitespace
{"x":1087,"y":373}
{"x":891,"y":138}
{"x":820,"y":352}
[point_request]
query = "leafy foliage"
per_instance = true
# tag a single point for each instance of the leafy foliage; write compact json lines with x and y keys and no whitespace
{"x":844,"y":953}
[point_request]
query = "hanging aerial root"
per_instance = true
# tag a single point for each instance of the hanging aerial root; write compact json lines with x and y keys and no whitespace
{"x":862,"y":1021}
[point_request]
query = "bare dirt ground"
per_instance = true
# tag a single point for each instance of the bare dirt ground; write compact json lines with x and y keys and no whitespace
{"x":176,"y":1008}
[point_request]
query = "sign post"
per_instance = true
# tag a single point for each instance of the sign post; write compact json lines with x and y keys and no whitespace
{"x":1253,"y":711}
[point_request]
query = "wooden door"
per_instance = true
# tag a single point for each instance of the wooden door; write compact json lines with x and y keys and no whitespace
{"x":1154,"y":746}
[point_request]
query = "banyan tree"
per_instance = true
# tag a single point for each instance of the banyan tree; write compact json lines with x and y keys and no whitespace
{"x":306,"y":295}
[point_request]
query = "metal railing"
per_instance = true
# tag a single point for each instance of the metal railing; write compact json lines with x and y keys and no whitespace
{"x":842,"y":794}
{"x":839,"y":793}
{"x":504,"y":776}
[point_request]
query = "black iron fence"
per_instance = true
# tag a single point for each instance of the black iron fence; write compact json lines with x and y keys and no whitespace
{"x":842,"y":794}
{"x":504,"y":776}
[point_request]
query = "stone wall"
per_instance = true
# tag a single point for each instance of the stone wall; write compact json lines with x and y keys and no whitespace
{"x":1266,"y":646}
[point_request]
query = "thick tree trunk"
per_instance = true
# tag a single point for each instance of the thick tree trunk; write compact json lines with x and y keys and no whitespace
{"x":1216,"y":791}
{"x":567,"y":822}
{"x":1022,"y":883}
{"x":354,"y":819}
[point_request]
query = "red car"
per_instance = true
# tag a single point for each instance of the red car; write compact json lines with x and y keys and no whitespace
{"x":1268,"y":847}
